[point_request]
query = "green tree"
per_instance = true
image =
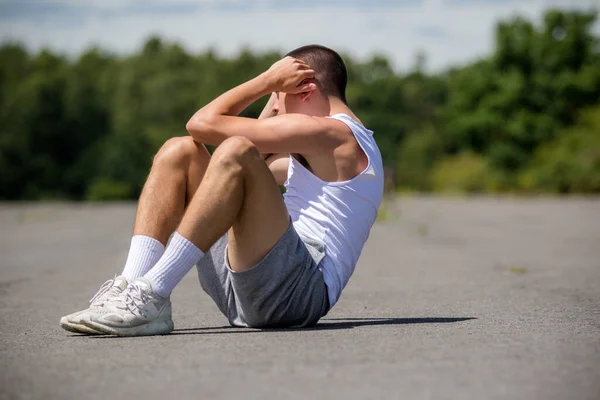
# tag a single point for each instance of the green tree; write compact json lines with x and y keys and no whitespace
{"x":87,"y":127}
{"x":571,"y":162}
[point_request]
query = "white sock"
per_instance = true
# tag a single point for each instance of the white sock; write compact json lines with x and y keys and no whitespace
{"x":181,"y":255}
{"x":143,"y":254}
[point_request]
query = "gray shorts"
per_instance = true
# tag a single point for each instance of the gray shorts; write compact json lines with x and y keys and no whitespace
{"x":286,"y":288}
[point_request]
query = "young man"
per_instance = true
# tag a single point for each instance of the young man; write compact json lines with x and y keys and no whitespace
{"x":266,"y":260}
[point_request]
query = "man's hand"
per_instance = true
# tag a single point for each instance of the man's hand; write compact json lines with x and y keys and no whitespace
{"x":287,"y":75}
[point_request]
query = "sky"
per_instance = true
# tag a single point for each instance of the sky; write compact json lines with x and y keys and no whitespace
{"x":449,"y":32}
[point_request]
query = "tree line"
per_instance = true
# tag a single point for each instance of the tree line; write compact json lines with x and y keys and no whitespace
{"x":525,"y":119}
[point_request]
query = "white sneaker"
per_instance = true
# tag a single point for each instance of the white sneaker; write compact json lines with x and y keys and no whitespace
{"x":138,"y":311}
{"x":110,"y":289}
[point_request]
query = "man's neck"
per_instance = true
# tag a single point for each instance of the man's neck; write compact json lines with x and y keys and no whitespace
{"x":336,"y":106}
{"x":329,"y":106}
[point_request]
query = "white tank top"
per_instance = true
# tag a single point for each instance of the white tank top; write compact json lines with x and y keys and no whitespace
{"x":338,"y":214}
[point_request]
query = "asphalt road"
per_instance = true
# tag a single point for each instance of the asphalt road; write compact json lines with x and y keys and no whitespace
{"x":452,"y":299}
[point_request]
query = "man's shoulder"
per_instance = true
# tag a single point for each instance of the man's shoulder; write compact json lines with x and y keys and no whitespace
{"x":339,"y":126}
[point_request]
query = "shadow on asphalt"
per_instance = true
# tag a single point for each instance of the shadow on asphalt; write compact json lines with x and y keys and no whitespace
{"x":324,"y":325}
{"x":353,"y":322}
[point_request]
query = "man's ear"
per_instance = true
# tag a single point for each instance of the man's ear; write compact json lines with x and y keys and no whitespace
{"x":304,"y":96}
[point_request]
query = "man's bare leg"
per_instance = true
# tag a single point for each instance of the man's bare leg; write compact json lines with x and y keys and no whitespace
{"x":238,"y":194}
{"x":176,"y":173}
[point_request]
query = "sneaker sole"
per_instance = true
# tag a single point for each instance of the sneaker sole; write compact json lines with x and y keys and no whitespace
{"x":154,"y":327}
{"x":78,"y":328}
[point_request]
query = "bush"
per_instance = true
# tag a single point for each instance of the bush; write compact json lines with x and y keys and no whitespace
{"x":465,"y":173}
{"x":417,"y":154}
{"x":570,"y":163}
{"x":105,"y":189}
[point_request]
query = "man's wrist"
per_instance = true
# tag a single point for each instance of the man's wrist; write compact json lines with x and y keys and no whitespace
{"x":267,"y":82}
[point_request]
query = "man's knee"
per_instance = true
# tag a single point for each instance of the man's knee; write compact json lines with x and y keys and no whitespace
{"x":236,"y":151}
{"x":177,"y":151}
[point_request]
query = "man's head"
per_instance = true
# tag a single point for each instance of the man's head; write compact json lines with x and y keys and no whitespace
{"x":331,"y":78}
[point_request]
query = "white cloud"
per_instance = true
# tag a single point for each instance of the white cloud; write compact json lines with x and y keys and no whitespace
{"x":449,"y":31}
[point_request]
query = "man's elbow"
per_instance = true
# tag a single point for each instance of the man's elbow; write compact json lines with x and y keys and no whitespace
{"x":198,"y":128}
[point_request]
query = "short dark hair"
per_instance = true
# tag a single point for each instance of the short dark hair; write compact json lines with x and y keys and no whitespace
{"x":330,"y":70}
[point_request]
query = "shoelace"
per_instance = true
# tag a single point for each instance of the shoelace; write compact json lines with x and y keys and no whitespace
{"x":134,"y":300}
{"x":103,"y":289}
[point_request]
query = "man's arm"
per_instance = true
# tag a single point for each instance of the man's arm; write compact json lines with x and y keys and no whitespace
{"x":269,"y":111}
{"x":277,"y":163}
{"x":292,"y":133}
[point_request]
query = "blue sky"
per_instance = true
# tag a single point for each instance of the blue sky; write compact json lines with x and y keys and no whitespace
{"x":449,"y":32}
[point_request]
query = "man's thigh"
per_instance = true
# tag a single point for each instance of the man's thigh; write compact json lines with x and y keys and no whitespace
{"x":262,"y":220}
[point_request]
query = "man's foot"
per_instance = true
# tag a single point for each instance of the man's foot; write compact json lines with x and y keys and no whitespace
{"x":138,"y":311}
{"x":112,"y":288}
